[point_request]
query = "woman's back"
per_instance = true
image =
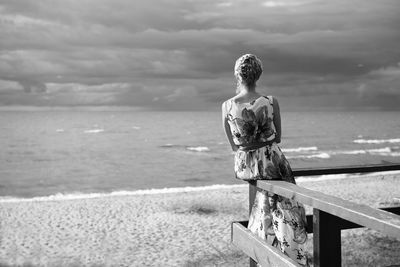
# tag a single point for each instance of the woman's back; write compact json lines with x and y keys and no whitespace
{"x":251,"y":122}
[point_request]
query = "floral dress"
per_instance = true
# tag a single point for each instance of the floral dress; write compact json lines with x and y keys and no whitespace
{"x":271,"y":214}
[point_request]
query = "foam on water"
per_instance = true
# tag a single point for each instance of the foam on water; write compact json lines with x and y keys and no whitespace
{"x":168,"y":145}
{"x":322,"y":155}
{"x":376,"y":141}
{"x":198,"y":148}
{"x":362,"y":151}
{"x":190,"y":148}
{"x":94,"y":131}
{"x":300,"y":149}
{"x":384,"y":151}
{"x":75,"y":196}
{"x":61,"y":197}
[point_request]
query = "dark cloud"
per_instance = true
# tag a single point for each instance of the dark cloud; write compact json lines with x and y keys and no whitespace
{"x":159,"y":53}
{"x":33,"y":86}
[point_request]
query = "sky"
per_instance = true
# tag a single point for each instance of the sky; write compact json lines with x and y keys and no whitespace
{"x":179,"y":55}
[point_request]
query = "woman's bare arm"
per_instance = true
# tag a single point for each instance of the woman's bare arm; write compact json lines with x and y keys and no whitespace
{"x":227,"y":129}
{"x":277,"y":121}
{"x":229,"y":135}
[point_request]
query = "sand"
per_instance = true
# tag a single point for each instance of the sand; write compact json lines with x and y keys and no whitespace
{"x":170,"y":229}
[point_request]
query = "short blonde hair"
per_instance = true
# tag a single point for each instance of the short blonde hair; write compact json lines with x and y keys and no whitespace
{"x":248,"y":69}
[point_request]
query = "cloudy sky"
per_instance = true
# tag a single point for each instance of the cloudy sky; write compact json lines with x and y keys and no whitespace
{"x":180,"y":54}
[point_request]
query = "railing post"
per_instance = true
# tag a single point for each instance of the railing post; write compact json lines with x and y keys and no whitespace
{"x":326,"y":239}
{"x":252,"y":196}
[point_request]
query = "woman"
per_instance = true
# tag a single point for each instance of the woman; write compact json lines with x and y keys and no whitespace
{"x":253,"y":127}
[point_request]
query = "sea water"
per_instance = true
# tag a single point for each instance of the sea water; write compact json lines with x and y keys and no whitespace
{"x":59,"y":154}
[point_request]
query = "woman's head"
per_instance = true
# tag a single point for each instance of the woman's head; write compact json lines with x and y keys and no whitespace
{"x":248,"y":69}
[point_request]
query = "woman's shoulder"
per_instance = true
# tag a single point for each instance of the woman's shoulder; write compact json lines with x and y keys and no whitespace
{"x":245,"y":99}
{"x":226,"y":102}
{"x":226,"y":106}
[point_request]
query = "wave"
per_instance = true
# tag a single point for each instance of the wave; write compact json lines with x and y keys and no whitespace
{"x":322,"y":155}
{"x":136,"y":127}
{"x":169,"y":145}
{"x":60,"y":130}
{"x":198,"y":148}
{"x":94,"y":131}
{"x":384,"y":151}
{"x":300,"y":149}
{"x":190,"y":148}
{"x":376,"y":141}
{"x":74,"y":196}
{"x":364,"y":151}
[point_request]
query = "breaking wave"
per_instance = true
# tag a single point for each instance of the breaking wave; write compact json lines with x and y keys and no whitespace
{"x":321,"y":155}
{"x":190,"y":148}
{"x":198,"y":148}
{"x":300,"y":149}
{"x":73,"y":196}
{"x":174,"y":190}
{"x":376,"y":141}
{"x":94,"y":131}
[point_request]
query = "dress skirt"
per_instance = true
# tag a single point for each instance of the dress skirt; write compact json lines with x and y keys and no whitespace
{"x":271,"y":215}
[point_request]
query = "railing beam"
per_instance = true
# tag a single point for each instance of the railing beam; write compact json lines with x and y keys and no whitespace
{"x":350,"y":169}
{"x":258,"y":249}
{"x":345,"y":224}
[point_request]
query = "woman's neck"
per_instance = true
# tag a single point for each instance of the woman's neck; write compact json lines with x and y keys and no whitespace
{"x":246,"y":89}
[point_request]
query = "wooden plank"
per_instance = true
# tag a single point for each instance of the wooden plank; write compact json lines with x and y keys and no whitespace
{"x":327,"y":240}
{"x":344,"y":224}
{"x":348,"y":169}
{"x":252,"y":196}
{"x":258,"y":249}
{"x":383,"y":221}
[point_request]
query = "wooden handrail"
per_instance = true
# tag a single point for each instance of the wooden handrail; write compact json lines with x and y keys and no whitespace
{"x":330,"y":215}
{"x":376,"y":219}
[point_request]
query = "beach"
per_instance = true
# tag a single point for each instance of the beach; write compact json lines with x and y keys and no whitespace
{"x":189,"y":228}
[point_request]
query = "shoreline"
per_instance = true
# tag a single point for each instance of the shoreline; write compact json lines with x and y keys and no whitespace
{"x":175,"y":229}
{"x":186,"y":189}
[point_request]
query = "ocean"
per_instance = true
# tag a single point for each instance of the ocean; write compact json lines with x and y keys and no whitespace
{"x":64,"y":153}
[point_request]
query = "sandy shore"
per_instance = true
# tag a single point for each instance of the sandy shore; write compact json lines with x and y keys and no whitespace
{"x":171,"y":229}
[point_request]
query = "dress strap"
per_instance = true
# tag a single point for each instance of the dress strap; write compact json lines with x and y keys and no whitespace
{"x":270,"y":99}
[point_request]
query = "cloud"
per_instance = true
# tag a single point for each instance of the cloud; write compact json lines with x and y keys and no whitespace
{"x":74,"y":50}
{"x":33,"y":86}
{"x":273,"y":4}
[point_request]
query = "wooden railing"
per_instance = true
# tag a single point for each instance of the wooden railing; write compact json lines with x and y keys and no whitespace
{"x":330,"y":216}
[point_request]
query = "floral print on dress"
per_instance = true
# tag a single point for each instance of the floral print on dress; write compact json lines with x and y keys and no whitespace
{"x":251,"y":122}
{"x":253,"y":126}
{"x":271,"y":215}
